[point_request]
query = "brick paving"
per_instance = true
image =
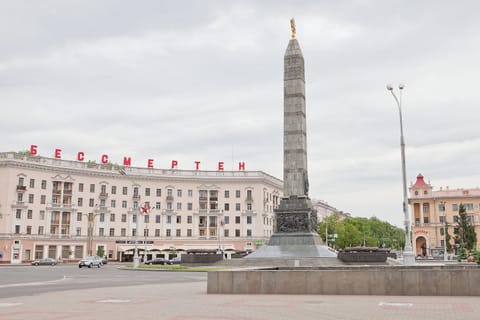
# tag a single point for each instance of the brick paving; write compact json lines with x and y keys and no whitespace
{"x":189,"y":301}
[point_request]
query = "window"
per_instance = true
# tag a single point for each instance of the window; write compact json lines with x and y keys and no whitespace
{"x":134,"y":218}
{"x":249,"y":206}
{"x":112,"y":217}
{"x":178,"y":233}
{"x":237,"y":232}
{"x":455,"y":219}
{"x":124,"y":191}
{"x":189,"y":232}
{"x":42,"y":215}
{"x":147,"y":192}
{"x":17,"y":229}
{"x":169,"y":193}
{"x":78,"y":231}
{"x":237,"y":194}
{"x":249,"y":219}
{"x":179,"y":219}
{"x":79,"y":216}
{"x":226,"y":206}
{"x":226,"y":233}
{"x":114,"y":189}
{"x":249,"y":232}
{"x":179,"y":206}
{"x":169,"y":219}
{"x":92,"y":187}
{"x":80,"y":202}
{"x":237,"y":219}
{"x":112,"y":232}
{"x":441,"y":207}
{"x":425,"y":219}
{"x":43,"y":199}
{"x":157,"y":205}
{"x":249,"y":195}
{"x":91,"y":202}
{"x":113,"y":203}
{"x":468,"y":206}
{"x":124,"y":217}
{"x":32,"y":183}
{"x":102,"y":203}
{"x":146,"y":218}
{"x":454,"y":207}
{"x":103,"y":189}
{"x":157,"y":232}
{"x":21,"y":180}
{"x":189,"y":206}
{"x":80,"y":187}
{"x":20,"y":197}
{"x":101,"y":232}
{"x":159,"y":192}
{"x":226,"y":219}
{"x":134,"y":232}
{"x":135,"y":191}
{"x":123,"y":232}
{"x":124,"y":203}
{"x":145,"y":232}
{"x":227,"y":194}
{"x":169,"y":233}
{"x":442,"y":219}
{"x":442,"y":231}
{"x":157,"y":218}
{"x":44,"y":184}
{"x":425,"y":207}
{"x":40,"y":230}
{"x":18,"y":214}
{"x":30,"y":198}
{"x":169,"y":206}
{"x":179,"y":193}
{"x":190,"y":193}
{"x":189,"y":219}
{"x":237,"y":206}
{"x":29,"y":214}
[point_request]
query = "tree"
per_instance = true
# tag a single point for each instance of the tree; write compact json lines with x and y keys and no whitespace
{"x":465,"y":234}
{"x":447,"y":239}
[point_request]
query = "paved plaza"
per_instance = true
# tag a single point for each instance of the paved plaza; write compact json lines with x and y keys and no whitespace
{"x":185,"y":301}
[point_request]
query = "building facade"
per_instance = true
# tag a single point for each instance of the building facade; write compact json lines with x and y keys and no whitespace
{"x":430,"y":209}
{"x":69,"y":209}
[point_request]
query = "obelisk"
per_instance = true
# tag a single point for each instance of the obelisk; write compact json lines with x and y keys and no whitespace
{"x":295,"y":234}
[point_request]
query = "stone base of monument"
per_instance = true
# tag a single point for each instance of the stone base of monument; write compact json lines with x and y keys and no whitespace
{"x":455,"y":280}
{"x":295,"y":245}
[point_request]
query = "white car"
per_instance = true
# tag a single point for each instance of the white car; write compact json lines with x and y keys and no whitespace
{"x":90,"y":261}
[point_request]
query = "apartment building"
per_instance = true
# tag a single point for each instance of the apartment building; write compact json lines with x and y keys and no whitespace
{"x":431,"y":208}
{"x":68,"y":209}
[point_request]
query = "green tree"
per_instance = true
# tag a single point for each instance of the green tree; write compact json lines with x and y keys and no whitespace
{"x":100,"y":251}
{"x":465,"y":234}
{"x":448,"y":237}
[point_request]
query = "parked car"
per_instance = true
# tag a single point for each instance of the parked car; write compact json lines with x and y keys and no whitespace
{"x":104,"y":260}
{"x":44,"y":262}
{"x":176,"y":260}
{"x":90,"y":261}
{"x":158,"y":261}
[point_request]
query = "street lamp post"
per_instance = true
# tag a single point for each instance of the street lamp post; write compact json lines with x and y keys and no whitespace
{"x":135,"y":255}
{"x":442,"y":203}
{"x":408,"y":255}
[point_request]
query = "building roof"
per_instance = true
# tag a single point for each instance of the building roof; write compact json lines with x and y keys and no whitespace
{"x":420,"y":182}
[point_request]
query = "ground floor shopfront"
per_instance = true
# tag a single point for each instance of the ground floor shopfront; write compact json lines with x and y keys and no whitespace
{"x":24,"y":250}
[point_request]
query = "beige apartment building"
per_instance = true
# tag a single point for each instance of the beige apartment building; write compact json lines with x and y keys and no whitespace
{"x":69,"y":209}
{"x":429,"y":210}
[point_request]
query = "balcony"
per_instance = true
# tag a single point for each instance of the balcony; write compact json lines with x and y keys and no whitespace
{"x":169,"y":198}
{"x":104,"y":195}
{"x":214,"y":199}
{"x":21,"y":188}
{"x":249,"y":199}
{"x":67,"y":192}
{"x":136,"y":197}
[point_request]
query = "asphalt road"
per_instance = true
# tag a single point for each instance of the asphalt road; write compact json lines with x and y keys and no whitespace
{"x":16,"y":281}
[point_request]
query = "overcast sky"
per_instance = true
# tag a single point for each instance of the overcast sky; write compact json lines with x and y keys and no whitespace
{"x":203,"y":81}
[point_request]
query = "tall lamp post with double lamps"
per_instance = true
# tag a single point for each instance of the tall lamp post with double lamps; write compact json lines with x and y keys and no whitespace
{"x":408,"y":255}
{"x":442,"y":203}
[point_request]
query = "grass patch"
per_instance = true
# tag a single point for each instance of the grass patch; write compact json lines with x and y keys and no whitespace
{"x":174,"y":267}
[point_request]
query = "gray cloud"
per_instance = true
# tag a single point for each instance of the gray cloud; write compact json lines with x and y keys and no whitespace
{"x":202,"y":81}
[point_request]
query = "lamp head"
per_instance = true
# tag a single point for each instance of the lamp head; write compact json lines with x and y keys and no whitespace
{"x":401,"y":86}
{"x":389,"y":87}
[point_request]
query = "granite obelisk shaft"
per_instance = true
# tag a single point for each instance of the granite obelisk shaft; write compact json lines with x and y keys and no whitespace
{"x":295,"y":175}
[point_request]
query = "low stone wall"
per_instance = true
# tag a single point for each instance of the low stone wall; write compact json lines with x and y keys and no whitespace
{"x":401,"y":281}
{"x":201,"y":258}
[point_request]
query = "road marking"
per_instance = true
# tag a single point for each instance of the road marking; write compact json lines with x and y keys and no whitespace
{"x":395,"y":304}
{"x":41,"y":283}
{"x":113,"y":301}
{"x":11,"y":304}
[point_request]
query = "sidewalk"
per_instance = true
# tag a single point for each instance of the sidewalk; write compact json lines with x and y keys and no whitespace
{"x":185,"y":301}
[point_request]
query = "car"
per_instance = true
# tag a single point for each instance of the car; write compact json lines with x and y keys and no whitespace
{"x":104,"y":260}
{"x":158,"y":261}
{"x":44,"y":262}
{"x":90,"y":261}
{"x":176,"y":260}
